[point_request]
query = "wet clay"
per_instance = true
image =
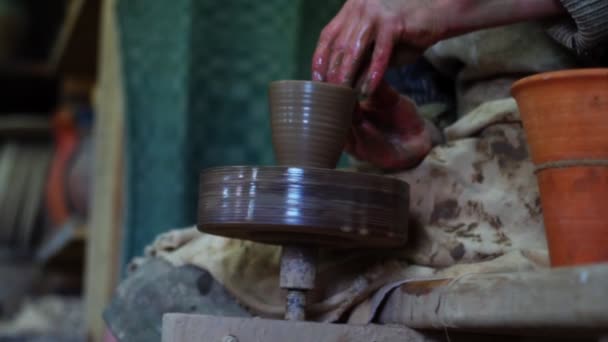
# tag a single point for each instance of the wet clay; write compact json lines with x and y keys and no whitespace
{"x":310,"y":121}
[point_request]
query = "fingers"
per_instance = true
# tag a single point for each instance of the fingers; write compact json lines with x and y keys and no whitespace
{"x":384,"y":96}
{"x":372,"y":134}
{"x":320,"y":59}
{"x":406,"y":118}
{"x":371,"y":145}
{"x":360,"y":78}
{"x":362,"y":134}
{"x":382,"y":54}
{"x":340,"y":48}
{"x":380,"y":107}
{"x":358,"y":43}
{"x":335,"y":61}
{"x":390,"y":109}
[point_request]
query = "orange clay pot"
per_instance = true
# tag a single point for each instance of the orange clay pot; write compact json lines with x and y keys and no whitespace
{"x":565,"y":116}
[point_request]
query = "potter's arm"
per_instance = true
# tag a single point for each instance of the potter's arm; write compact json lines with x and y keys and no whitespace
{"x":586,"y":31}
{"x":580,"y":25}
{"x":355,"y":48}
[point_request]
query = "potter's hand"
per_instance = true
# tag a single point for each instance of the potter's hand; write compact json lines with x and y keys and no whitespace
{"x":371,"y":28}
{"x":356,"y":46}
{"x":388,"y":132}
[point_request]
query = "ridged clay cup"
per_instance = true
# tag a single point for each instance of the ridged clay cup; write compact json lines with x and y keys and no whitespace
{"x":310,"y":121}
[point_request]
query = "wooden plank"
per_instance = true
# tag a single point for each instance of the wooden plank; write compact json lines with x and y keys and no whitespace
{"x":204,"y":328}
{"x":25,"y":126}
{"x":73,"y":12}
{"x":188,"y":328}
{"x":103,"y":248}
{"x":553,"y":302}
{"x":75,"y":50}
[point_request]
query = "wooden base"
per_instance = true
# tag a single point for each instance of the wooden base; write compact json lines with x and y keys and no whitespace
{"x":569,"y":301}
{"x":188,"y":328}
{"x":564,"y":303}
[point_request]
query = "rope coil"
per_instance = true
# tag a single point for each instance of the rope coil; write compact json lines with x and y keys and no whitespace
{"x":561,"y":164}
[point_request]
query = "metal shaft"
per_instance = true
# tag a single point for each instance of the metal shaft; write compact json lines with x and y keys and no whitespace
{"x":295,"y":307}
{"x":298,"y":272}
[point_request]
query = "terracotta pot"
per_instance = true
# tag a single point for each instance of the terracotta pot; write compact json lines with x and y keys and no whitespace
{"x":565,"y":116}
{"x":310,"y":121}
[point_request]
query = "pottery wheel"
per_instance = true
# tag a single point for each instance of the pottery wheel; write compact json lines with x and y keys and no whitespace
{"x":322,"y":207}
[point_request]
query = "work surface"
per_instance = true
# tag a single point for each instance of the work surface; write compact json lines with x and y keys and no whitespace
{"x":566,"y":302}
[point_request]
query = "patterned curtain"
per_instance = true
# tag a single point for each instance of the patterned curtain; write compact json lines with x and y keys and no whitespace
{"x":196,"y":74}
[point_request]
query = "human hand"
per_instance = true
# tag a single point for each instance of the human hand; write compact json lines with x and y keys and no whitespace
{"x":355,"y":48}
{"x":388,"y":132}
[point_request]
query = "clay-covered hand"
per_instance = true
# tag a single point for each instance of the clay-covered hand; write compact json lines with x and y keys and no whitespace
{"x":388,"y":132}
{"x":365,"y":29}
{"x":355,"y":48}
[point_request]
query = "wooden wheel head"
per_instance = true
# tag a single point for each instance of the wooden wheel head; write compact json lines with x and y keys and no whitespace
{"x":310,"y":206}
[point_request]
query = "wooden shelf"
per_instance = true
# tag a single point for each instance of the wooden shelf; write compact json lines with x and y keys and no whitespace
{"x":25,"y":69}
{"x":20,"y":126}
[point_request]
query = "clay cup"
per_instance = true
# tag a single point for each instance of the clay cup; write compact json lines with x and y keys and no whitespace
{"x":310,"y":121}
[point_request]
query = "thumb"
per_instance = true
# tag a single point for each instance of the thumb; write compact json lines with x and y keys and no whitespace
{"x":384,"y":97}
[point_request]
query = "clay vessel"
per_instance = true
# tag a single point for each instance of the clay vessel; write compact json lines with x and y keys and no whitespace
{"x":565,"y":116}
{"x":310,"y":121}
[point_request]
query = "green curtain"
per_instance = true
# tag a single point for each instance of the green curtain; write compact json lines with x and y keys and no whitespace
{"x":196,"y":76}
